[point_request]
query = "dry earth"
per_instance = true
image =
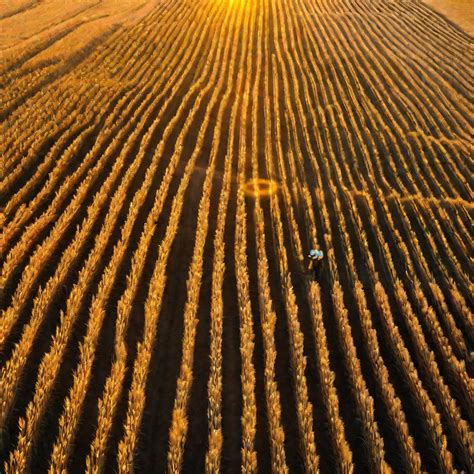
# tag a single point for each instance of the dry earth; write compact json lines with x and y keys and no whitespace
{"x":460,"y":12}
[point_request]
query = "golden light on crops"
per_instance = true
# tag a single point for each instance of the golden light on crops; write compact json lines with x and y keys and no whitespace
{"x":260,"y":187}
{"x":133,"y":183}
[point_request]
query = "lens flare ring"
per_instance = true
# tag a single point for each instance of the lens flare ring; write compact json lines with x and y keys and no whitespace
{"x":260,"y":187}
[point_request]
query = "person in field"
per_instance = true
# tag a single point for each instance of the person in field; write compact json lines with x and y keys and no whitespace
{"x":315,"y":262}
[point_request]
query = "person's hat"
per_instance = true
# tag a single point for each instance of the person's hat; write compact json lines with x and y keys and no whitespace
{"x":313,"y":253}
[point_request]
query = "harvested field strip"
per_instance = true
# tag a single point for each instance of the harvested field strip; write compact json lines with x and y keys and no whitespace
{"x":159,"y":195}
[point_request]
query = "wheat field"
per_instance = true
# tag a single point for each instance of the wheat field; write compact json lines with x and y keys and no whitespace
{"x":160,"y":189}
